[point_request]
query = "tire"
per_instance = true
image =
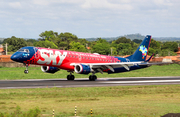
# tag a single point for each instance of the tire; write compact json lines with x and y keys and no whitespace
{"x":26,"y":71}
{"x":70,"y":77}
{"x":92,"y":77}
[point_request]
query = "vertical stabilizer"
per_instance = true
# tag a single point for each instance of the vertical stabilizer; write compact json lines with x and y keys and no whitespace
{"x":142,"y":51}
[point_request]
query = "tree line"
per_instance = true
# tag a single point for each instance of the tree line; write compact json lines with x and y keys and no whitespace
{"x":68,"y":41}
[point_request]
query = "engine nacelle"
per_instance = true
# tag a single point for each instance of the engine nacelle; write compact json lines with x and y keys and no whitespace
{"x":82,"y":69}
{"x":49,"y":69}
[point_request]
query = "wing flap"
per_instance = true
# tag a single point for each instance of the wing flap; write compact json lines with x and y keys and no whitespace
{"x":109,"y":67}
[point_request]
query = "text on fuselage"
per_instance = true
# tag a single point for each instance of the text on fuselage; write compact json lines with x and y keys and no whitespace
{"x":50,"y":56}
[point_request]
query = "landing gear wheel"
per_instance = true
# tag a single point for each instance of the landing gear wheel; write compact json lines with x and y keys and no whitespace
{"x":26,"y":71}
{"x":92,"y":77}
{"x":70,"y":77}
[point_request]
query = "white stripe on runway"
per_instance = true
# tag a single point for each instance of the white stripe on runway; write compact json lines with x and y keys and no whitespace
{"x":148,"y":81}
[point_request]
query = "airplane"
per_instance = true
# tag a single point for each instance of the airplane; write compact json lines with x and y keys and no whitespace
{"x":52,"y":60}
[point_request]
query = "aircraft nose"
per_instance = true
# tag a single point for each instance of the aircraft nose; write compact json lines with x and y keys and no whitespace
{"x":15,"y":57}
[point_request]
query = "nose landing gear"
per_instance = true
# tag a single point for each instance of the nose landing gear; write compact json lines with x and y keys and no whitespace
{"x":26,"y":71}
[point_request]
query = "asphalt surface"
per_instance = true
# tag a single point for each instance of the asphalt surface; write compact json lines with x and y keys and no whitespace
{"x":44,"y":83}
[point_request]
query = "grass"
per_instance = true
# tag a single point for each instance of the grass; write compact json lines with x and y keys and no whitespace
{"x":118,"y":101}
{"x":36,"y":73}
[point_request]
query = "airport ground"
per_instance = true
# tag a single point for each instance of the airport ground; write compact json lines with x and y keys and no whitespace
{"x":36,"y":73}
{"x":117,"y":101}
{"x":114,"y":101}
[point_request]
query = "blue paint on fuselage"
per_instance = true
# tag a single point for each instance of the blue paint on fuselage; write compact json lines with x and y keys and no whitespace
{"x":21,"y":56}
{"x":120,"y":59}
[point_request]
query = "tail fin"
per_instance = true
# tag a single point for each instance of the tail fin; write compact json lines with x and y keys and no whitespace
{"x":141,"y":53}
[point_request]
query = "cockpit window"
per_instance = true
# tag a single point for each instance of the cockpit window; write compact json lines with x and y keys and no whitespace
{"x":23,"y":50}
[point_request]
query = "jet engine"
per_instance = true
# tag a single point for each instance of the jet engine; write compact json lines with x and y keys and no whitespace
{"x":48,"y":69}
{"x":82,"y":69}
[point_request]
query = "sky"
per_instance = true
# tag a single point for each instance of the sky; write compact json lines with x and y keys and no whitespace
{"x":90,"y":18}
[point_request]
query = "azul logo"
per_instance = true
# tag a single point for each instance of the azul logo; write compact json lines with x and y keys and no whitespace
{"x":143,"y":49}
{"x":49,"y":57}
{"x":25,"y":55}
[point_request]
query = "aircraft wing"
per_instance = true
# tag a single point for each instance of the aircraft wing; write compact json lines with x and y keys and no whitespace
{"x":103,"y":66}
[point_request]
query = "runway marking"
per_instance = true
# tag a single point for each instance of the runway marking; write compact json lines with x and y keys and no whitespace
{"x":148,"y":81}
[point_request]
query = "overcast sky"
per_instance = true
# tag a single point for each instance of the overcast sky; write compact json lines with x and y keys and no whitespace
{"x":90,"y":18}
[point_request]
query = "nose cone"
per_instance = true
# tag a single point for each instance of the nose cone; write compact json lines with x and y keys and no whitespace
{"x":14,"y":57}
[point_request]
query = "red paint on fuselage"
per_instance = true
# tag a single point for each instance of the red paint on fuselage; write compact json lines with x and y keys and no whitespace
{"x":62,"y":58}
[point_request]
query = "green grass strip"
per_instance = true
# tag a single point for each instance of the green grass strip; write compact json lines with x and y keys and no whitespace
{"x":36,"y":73}
{"x":118,"y":101}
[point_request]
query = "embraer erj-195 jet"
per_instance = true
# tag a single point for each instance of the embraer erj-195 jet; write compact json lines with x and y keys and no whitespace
{"x":52,"y":60}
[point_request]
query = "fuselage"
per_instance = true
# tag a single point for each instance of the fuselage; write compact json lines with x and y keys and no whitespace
{"x":61,"y":58}
{"x":51,"y":60}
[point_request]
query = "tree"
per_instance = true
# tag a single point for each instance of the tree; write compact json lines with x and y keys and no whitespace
{"x":155,"y":47}
{"x":84,"y":42}
{"x":172,"y":46}
{"x":167,"y":52}
{"x":155,"y":44}
{"x":49,"y":35}
{"x":31,"y":42}
{"x":76,"y":46}
{"x":114,"y":51}
{"x":125,"y":49}
{"x":151,"y":51}
{"x":138,"y":41}
{"x":101,"y":46}
{"x":124,"y":40}
{"x":14,"y":43}
{"x":46,"y":44}
{"x":124,"y":46}
{"x":64,"y":39}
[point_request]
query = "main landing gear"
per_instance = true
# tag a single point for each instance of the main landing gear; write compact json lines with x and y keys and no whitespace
{"x":26,"y":71}
{"x":70,"y":77}
{"x":92,"y":77}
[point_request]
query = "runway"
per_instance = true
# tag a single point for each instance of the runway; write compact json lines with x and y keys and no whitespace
{"x":84,"y":82}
